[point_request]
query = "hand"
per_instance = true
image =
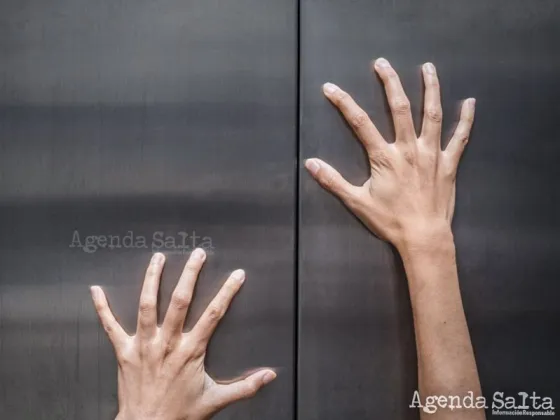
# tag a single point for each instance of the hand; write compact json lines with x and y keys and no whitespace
{"x":411,"y":188}
{"x":161,"y":369}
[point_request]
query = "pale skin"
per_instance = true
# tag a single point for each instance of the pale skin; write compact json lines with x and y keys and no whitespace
{"x":409,"y":200}
{"x":161,"y":372}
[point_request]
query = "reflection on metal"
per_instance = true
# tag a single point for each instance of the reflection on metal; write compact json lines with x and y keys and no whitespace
{"x":357,"y":354}
{"x":142,"y":119}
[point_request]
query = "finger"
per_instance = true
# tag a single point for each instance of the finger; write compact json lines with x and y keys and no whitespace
{"x":114,"y":331}
{"x":398,"y":102}
{"x":460,"y":138}
{"x":182,"y":296}
{"x":209,"y":320}
{"x":431,"y":126}
{"x":147,"y":310}
{"x":355,"y":116}
{"x":224,"y":395}
{"x":331,"y":180}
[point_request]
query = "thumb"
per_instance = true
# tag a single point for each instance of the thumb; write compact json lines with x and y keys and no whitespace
{"x":330,"y":179}
{"x":245,"y":388}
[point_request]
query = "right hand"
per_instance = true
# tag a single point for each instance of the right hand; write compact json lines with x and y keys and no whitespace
{"x":410,"y":194}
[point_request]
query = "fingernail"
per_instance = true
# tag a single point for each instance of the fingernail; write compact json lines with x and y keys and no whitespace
{"x":268,"y":377}
{"x":382,"y":63}
{"x":429,"y":68}
{"x":330,"y":88}
{"x":157,"y":258}
{"x":472,"y":102}
{"x":312,"y":166}
{"x":198,"y":254}
{"x":95,"y":292}
{"x":238,"y":275}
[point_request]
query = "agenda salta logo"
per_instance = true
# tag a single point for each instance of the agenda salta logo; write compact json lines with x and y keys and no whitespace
{"x":520,"y":404}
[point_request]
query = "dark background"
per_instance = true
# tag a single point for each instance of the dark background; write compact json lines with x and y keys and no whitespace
{"x":182,"y":116}
{"x":145,"y":116}
{"x":357,"y":355}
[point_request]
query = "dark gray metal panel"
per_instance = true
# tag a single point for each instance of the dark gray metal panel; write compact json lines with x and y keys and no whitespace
{"x":145,"y":116}
{"x":357,"y":356}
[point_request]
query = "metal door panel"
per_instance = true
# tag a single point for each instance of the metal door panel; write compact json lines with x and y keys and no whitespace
{"x":356,"y":341}
{"x":156,"y":118}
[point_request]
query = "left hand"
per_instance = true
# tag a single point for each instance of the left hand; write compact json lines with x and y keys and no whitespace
{"x":161,"y":369}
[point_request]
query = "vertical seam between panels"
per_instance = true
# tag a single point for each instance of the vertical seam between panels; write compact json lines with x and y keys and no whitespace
{"x":297,"y":208}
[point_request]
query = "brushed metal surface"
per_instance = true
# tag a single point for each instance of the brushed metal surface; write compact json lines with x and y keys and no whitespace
{"x":357,"y":355}
{"x":145,"y":117}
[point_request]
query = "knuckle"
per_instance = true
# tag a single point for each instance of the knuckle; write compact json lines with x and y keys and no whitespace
{"x":188,"y":346}
{"x":400,"y":106}
{"x":430,"y":155}
{"x":381,"y":159}
{"x":181,"y":301}
{"x":147,"y":305}
{"x":252,"y":388}
{"x":341,"y":97}
{"x":392,"y":74}
{"x":100,"y":307}
{"x":328,"y":181}
{"x":124,"y":357}
{"x":409,"y":157}
{"x":449,"y":169}
{"x":197,"y":349}
{"x":359,"y":120}
{"x":434,"y":114}
{"x":108,"y":328}
{"x":450,"y":174}
{"x":432,"y":82}
{"x":462,"y":139}
{"x":167,"y":347}
{"x":427,"y":154}
{"x":352,"y":199}
{"x":153,"y":271}
{"x":215,"y":313}
{"x":469,"y":118}
{"x":191,"y":268}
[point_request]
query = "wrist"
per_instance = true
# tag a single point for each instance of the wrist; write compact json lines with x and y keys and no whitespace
{"x":429,"y":261}
{"x":425,"y":239}
{"x":127,"y":416}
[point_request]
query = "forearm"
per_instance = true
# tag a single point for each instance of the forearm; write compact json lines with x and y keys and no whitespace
{"x":446,"y":363}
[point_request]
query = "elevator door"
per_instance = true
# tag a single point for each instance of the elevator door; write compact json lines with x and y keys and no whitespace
{"x":357,"y":355}
{"x":164,"y":125}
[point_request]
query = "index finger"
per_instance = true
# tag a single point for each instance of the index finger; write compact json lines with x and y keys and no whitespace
{"x":209,"y":320}
{"x":356,"y":117}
